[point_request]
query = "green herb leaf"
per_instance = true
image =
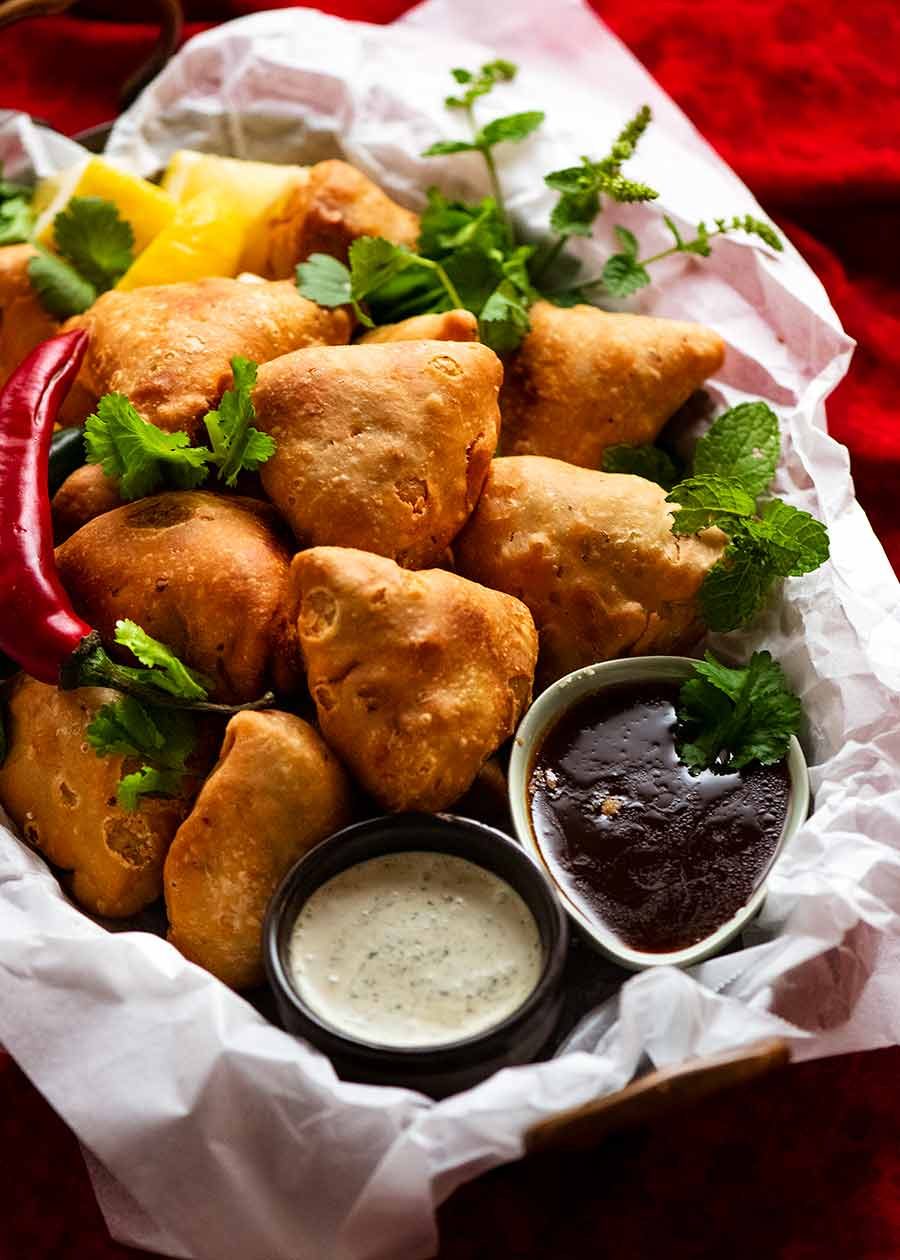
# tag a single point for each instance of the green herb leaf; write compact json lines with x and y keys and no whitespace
{"x":442,"y":147}
{"x":164,"y":737}
{"x":149,"y":780}
{"x":623,"y":275}
{"x":742,"y":444}
{"x":125,"y":727}
{"x":164,"y":670}
{"x":236,"y":446}
{"x":16,"y":215}
{"x":511,"y":128}
{"x":728,"y":718}
{"x":795,"y":542}
{"x":324,"y":280}
{"x":736,"y":588}
{"x":705,"y":501}
{"x":140,"y":455}
{"x":374,"y":261}
{"x":450,"y":225}
{"x":480,"y":82}
{"x":648,"y":462}
{"x":504,"y":318}
{"x":90,"y":234}
{"x":61,"y":290}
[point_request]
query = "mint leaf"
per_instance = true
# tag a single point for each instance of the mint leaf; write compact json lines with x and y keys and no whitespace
{"x":511,"y":128}
{"x":442,"y":147}
{"x":728,"y":718}
{"x":236,"y":446}
{"x":98,"y":243}
{"x":61,"y":290}
{"x":623,"y":275}
{"x":648,"y":462}
{"x":140,"y":455}
{"x":164,"y":670}
{"x":480,"y":82}
{"x":504,"y":319}
{"x":324,"y":280}
{"x":743,"y":444}
{"x":737,"y":586}
{"x":705,"y":501}
{"x":796,"y":543}
{"x":627,"y":240}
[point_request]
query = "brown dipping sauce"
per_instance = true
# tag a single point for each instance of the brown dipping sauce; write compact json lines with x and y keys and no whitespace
{"x":661,"y":856}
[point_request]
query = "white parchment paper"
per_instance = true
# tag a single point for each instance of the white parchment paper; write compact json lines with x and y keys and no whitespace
{"x":210,"y":1133}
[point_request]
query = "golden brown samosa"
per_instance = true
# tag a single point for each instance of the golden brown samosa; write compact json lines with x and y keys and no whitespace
{"x":381,"y":447}
{"x":207,"y":574}
{"x":87,"y":492}
{"x":23,"y":321}
{"x":441,"y":326}
{"x":63,"y":797}
{"x":417,"y":677}
{"x":585,"y":379}
{"x":276,"y":791}
{"x":169,"y":347}
{"x":327,"y":208}
{"x":592,"y":555}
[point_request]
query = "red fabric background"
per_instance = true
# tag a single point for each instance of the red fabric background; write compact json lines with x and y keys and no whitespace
{"x":802,"y":98}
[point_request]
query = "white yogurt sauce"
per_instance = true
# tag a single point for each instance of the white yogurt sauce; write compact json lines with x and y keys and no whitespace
{"x":415,"y":949}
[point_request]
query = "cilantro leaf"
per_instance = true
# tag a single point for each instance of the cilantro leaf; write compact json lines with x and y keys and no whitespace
{"x":324,"y":280}
{"x":235,"y":444}
{"x":147,"y":780}
{"x":164,"y":670}
{"x":163,"y":737}
{"x":442,"y":147}
{"x":728,"y":718}
{"x":16,"y":220}
{"x":125,"y":727}
{"x":512,"y":128}
{"x":623,"y":275}
{"x":61,"y":290}
{"x":374,"y":261}
{"x":742,"y":444}
{"x":90,"y":234}
{"x":648,"y":462}
{"x":450,"y":225}
{"x":503,"y":321}
{"x":705,"y":501}
{"x":140,"y":455}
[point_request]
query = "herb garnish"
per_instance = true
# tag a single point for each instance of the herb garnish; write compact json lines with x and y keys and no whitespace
{"x":16,"y":215}
{"x":145,"y":459}
{"x":96,"y":249}
{"x":730,"y":717}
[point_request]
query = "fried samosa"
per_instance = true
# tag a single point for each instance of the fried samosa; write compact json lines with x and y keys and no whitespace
{"x":63,"y":797}
{"x":276,"y":791}
{"x":87,"y":492}
{"x":442,"y":326}
{"x":207,"y":574}
{"x":584,"y":379}
{"x":417,"y":677}
{"x":323,"y":212}
{"x":23,"y":321}
{"x":592,"y":555}
{"x":168,"y":347}
{"x":381,"y":447}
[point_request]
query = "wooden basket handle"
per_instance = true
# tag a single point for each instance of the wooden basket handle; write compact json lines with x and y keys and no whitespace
{"x":655,"y":1095}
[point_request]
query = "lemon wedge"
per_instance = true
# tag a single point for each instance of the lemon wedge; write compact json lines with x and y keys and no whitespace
{"x":205,"y":238}
{"x":147,"y":208}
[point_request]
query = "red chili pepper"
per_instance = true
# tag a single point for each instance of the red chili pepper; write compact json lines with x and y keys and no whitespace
{"x":39,"y":628}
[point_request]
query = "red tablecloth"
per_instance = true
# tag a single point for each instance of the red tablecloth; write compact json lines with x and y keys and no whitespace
{"x":802,"y":98}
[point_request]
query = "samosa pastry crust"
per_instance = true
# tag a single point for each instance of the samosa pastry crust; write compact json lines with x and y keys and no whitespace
{"x":169,"y":347}
{"x":207,"y":574}
{"x":442,"y":326}
{"x":276,"y":791}
{"x":584,"y":379}
{"x":381,"y":447}
{"x":63,"y":797}
{"x":417,"y":677}
{"x":592,"y":555}
{"x":85,"y":493}
{"x":23,"y":321}
{"x":323,"y":212}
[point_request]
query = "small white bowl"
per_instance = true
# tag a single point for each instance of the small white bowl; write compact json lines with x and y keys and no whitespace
{"x":545,"y":713}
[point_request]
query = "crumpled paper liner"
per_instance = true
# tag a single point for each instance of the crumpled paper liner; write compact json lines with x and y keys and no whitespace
{"x":212,"y":1134}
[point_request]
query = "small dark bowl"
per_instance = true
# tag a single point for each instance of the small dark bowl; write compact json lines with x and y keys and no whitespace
{"x":435,"y":1070}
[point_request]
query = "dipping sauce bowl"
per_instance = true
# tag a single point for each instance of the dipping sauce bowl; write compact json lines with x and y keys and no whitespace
{"x":655,"y":865}
{"x":359,"y":950}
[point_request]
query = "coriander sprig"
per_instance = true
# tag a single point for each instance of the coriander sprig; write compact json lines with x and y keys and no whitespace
{"x":16,"y":215}
{"x":95,"y":248}
{"x":162,"y":738}
{"x":511,"y":128}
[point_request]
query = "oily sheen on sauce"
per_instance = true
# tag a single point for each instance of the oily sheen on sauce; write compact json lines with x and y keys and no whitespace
{"x":660,"y":856}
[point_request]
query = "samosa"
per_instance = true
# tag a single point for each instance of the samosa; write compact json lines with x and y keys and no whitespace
{"x":276,"y":790}
{"x":593,"y":557}
{"x":417,"y":677}
{"x":585,"y":379}
{"x":169,"y":347}
{"x":381,"y":447}
{"x":440,"y":326}
{"x":23,"y":321}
